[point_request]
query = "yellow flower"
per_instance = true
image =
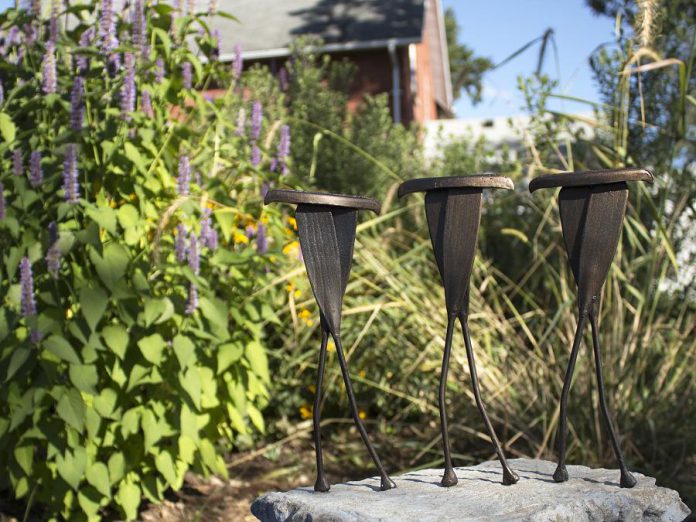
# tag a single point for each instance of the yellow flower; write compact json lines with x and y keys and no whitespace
{"x":362,"y":374}
{"x":292,"y":222}
{"x":305,"y":411}
{"x":362,"y":414}
{"x":240,"y":238}
{"x":331,"y":347}
{"x":312,"y":388}
{"x":291,"y":248}
{"x":305,"y":314}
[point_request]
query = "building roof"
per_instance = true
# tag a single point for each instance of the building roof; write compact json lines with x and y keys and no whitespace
{"x":266,"y":28}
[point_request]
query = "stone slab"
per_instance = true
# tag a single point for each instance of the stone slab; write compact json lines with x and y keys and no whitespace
{"x":589,"y":495}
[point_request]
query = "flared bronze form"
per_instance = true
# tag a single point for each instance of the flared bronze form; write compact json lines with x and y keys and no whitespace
{"x":592,"y":207}
{"x":453,"y":208}
{"x":326,"y":224}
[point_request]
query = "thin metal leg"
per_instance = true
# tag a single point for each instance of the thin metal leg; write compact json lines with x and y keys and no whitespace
{"x":321,"y":484}
{"x":509,"y":476}
{"x":386,"y":481}
{"x":627,"y":479}
{"x":561,"y":473}
{"x":449,"y":478}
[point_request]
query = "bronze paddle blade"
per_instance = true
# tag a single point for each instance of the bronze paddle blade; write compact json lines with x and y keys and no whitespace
{"x":453,"y":219}
{"x":325,"y":231}
{"x":592,"y":219}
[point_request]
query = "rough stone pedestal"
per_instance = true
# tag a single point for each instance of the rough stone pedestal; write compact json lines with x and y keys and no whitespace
{"x":589,"y":495}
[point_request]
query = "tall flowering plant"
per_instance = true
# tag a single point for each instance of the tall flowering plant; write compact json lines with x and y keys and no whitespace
{"x":131,"y":340}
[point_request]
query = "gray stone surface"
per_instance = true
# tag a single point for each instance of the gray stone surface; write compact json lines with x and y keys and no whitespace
{"x":589,"y":495}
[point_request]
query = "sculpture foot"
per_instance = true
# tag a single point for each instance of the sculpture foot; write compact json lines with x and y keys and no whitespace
{"x":510,"y":477}
{"x":627,"y":479}
{"x":561,"y":474}
{"x":322,"y":485}
{"x":387,"y":483}
{"x":449,"y":479}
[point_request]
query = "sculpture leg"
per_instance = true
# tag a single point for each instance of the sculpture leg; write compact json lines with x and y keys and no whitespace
{"x":627,"y":480}
{"x":449,"y":478}
{"x":321,"y":484}
{"x":509,"y":476}
{"x":386,"y":481}
{"x":561,"y":473}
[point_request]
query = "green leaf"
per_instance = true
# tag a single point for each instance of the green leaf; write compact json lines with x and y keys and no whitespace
{"x":24,"y":455}
{"x":228,"y":354}
{"x":105,"y":402}
{"x":152,"y":347}
{"x":129,"y":422}
{"x":215,"y":311}
{"x":151,"y":429}
{"x":61,"y":348}
{"x":256,"y":418}
{"x":258,"y":361}
{"x":128,"y":497}
{"x":185,"y":350}
{"x":71,"y":466}
{"x":165,"y":465}
{"x":191,"y":383}
{"x":187,"y":449}
{"x":157,"y":311}
{"x":133,"y":154}
{"x":117,"y":467}
{"x":128,"y":216}
{"x":89,"y":499}
{"x":116,"y":338}
{"x":7,"y":127}
{"x":98,"y":475}
{"x":105,"y":217}
{"x":19,"y":357}
{"x":71,"y":409}
{"x":93,"y":302}
{"x":84,"y":377}
{"x":111,"y":267}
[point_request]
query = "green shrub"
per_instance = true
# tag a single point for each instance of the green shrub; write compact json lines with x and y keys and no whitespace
{"x":120,"y":380}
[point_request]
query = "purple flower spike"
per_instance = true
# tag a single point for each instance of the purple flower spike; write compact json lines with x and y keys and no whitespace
{"x":180,"y":248}
{"x":146,"y":104}
{"x":284,"y":144}
{"x":128,"y":88}
{"x":194,"y":258}
{"x":30,"y":34}
{"x":209,"y":236}
{"x":159,"y":70}
{"x":192,"y":303}
{"x":53,"y":23}
{"x":261,"y":239}
{"x":107,"y":27}
{"x":237,"y":62}
{"x":264,"y":189}
{"x":256,"y":119}
{"x":139,"y":27}
{"x":241,"y":122}
{"x":76,"y":107}
{"x":26,"y":282}
{"x":249,"y":231}
{"x":35,"y":336}
{"x":53,"y":254}
{"x":48,"y":68}
{"x":255,"y":155}
{"x":35,"y":171}
{"x":184,"y":180}
{"x":187,"y":75}
{"x":71,"y":185}
{"x":2,"y":201}
{"x":82,"y":61}
{"x":283,"y":79}
{"x":212,"y":7}
{"x":17,"y":162}
{"x":2,"y":93}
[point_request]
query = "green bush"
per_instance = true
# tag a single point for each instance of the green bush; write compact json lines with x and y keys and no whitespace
{"x":122,"y":364}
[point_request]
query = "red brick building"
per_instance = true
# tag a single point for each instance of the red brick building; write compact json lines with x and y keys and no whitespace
{"x":399,"y":46}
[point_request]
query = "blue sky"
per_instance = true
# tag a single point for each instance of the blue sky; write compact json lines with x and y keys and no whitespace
{"x":497,"y":28}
